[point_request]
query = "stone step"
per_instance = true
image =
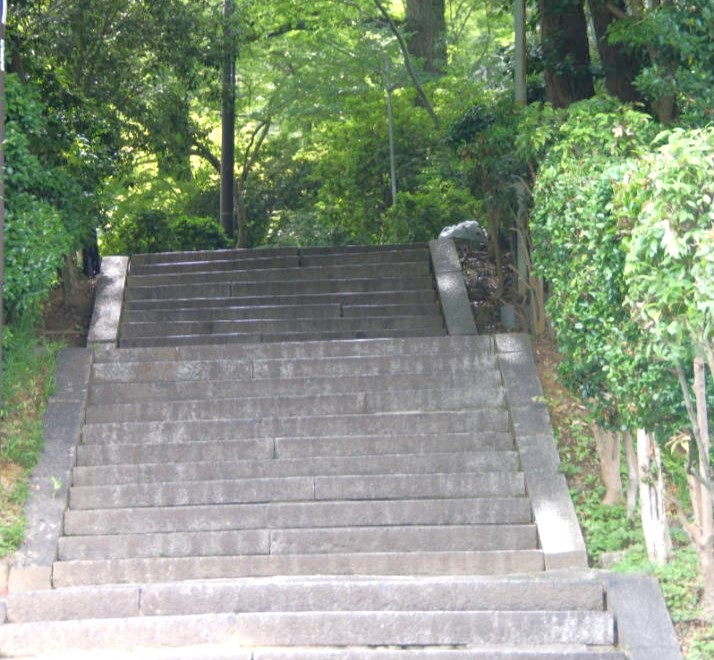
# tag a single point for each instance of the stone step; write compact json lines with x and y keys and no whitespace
{"x":269,"y":338}
{"x":483,"y":652}
{"x":283,"y":273}
{"x":277,"y":326}
{"x":472,"y":538}
{"x":257,"y":253}
{"x":196,"y":469}
{"x":282,"y":288}
{"x":309,"y":405}
{"x":227,"y":260}
{"x":303,"y":426}
{"x":555,"y":592}
{"x":377,"y":634}
{"x":296,"y":449}
{"x":418,"y":297}
{"x":146,"y":570}
{"x":243,"y":367}
{"x":299,"y":489}
{"x":278,"y":337}
{"x":299,"y":515}
{"x":273,"y":312}
{"x":439,"y":348}
{"x":194,"y":390}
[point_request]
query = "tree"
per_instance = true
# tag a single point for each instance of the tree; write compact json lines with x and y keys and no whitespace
{"x":566,"y":53}
{"x":669,"y":200}
{"x":426,"y":33}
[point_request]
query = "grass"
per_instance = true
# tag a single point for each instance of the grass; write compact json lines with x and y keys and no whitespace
{"x":28,"y":370}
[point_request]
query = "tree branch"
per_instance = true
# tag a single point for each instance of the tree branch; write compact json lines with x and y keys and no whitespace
{"x":408,"y":62}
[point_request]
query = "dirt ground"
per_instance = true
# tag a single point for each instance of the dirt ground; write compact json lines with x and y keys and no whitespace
{"x":66,"y":318}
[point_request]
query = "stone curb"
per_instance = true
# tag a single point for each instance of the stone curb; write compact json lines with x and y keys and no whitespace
{"x":451,"y":287}
{"x":559,"y":533}
{"x":644,"y":627}
{"x":104,"y":327}
{"x":31,"y":566}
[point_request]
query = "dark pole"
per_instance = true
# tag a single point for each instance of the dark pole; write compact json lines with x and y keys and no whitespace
{"x":3,"y":20}
{"x":520,"y":43}
{"x":228,"y":121}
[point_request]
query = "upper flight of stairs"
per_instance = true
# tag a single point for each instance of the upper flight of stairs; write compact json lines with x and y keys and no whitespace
{"x":279,"y":295}
{"x":245,"y":486}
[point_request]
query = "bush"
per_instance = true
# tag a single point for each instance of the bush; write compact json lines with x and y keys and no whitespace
{"x":154,"y":231}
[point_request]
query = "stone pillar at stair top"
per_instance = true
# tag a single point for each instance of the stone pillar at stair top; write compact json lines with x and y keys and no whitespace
{"x":104,"y":327}
{"x":452,"y":290}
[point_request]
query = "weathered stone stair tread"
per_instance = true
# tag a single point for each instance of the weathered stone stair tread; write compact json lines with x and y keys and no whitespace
{"x":469,"y":348}
{"x":202,"y":450}
{"x":299,"y":426}
{"x":422,"y":400}
{"x":123,"y":571}
{"x":288,"y":326}
{"x":257,"y":253}
{"x":280,"y":288}
{"x":241,"y":260}
{"x":196,"y":470}
{"x":442,"y":538}
{"x":259,"y":368}
{"x":274,"y":337}
{"x":564,"y":592}
{"x":113,"y":393}
{"x":302,"y":515}
{"x":273,"y":312}
{"x":283,"y":274}
{"x":286,"y":489}
{"x":411,"y":297}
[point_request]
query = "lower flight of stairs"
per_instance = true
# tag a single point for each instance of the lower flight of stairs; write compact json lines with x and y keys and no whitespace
{"x":365,"y":498}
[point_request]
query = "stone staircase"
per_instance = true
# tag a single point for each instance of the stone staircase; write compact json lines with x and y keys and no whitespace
{"x":244,"y":485}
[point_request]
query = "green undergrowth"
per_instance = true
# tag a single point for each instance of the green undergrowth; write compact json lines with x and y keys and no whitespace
{"x":611,"y":536}
{"x":28,"y":380}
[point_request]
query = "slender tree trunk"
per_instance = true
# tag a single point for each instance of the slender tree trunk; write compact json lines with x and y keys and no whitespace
{"x":228,"y":121}
{"x":608,"y":445}
{"x":705,"y":522}
{"x":426,"y":29}
{"x":564,"y":38}
{"x":654,"y":514}
{"x":633,"y":482}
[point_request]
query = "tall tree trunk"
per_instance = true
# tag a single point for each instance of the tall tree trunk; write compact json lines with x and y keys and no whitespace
{"x":426,"y":29}
{"x":620,"y":66}
{"x":608,"y":445}
{"x":564,"y":38}
{"x":654,"y":514}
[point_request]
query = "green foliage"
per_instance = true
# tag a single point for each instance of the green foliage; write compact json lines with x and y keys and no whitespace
{"x":580,"y":249}
{"x":420,"y":215}
{"x":156,"y":231}
{"x":678,"y":41}
{"x":679,"y":579}
{"x":668,"y":199}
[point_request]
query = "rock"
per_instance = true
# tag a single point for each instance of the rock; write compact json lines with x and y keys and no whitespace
{"x":469,"y":230}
